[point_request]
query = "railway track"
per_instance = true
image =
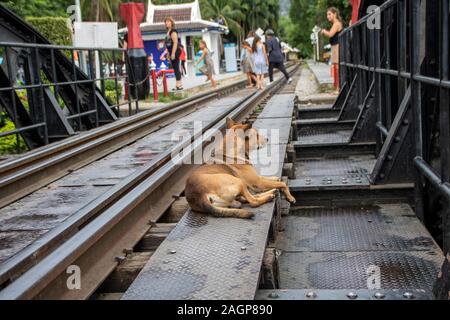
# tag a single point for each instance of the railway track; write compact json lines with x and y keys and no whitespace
{"x":21,"y":176}
{"x":98,"y":236}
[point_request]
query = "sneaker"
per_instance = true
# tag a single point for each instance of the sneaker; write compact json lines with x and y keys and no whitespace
{"x":290,"y":81}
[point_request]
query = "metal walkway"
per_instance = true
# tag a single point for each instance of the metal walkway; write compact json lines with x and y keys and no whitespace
{"x":213,"y":258}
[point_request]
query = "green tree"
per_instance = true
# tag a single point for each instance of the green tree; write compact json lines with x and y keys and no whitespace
{"x":231,"y":12}
{"x":100,"y":10}
{"x":38,"y":8}
{"x":305,"y":14}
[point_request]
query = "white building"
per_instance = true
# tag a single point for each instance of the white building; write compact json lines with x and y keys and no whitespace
{"x":189,"y":24}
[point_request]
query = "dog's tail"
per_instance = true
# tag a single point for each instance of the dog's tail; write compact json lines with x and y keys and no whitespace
{"x":224,"y":212}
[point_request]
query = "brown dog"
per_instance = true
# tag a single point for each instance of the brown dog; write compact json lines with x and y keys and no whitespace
{"x":220,"y":189}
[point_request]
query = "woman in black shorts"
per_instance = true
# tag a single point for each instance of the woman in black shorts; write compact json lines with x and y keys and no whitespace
{"x":173,"y":49}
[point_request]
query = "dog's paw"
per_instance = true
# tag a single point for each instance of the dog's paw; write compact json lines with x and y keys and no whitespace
{"x":246,"y":215}
{"x":292,"y":200}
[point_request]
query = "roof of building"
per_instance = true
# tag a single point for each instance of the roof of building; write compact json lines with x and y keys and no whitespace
{"x":182,"y":27}
{"x":187,"y":18}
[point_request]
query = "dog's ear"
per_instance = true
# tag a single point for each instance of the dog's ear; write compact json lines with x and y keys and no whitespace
{"x":230,"y":123}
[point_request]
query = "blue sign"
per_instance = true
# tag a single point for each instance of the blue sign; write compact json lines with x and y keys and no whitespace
{"x":197,"y":71}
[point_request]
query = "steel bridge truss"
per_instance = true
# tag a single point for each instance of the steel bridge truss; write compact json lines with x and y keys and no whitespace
{"x":395,"y":82}
{"x":52,"y":77}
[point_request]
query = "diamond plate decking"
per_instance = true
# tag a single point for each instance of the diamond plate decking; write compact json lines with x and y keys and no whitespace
{"x":215,"y":258}
{"x":333,"y":248}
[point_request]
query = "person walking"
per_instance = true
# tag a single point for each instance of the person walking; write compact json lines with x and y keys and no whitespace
{"x":174,"y":51}
{"x":250,"y":37}
{"x":248,"y":66}
{"x":183,"y":61}
{"x":276,"y":58}
{"x":208,"y":68}
{"x":260,"y":60}
{"x":335,"y":19}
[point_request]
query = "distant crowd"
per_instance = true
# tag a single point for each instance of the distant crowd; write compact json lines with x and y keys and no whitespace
{"x":258,"y":58}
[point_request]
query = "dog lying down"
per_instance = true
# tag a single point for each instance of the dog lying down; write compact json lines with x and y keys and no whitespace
{"x":220,"y":189}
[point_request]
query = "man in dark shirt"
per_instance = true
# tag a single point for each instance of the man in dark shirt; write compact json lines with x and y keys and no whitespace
{"x":276,"y":58}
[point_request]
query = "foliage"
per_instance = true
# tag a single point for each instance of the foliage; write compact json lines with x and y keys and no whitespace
{"x":110,"y":90}
{"x":305,"y":14}
{"x":8,"y":144}
{"x":240,"y":16}
{"x":172,"y":97}
{"x":38,"y":8}
{"x":110,"y":85}
{"x":55,"y":29}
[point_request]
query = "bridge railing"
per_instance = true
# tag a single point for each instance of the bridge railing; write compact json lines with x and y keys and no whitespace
{"x":398,"y":55}
{"x":47,"y":95}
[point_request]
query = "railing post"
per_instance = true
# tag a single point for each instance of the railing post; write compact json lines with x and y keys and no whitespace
{"x":416,"y":103}
{"x":444,"y":132}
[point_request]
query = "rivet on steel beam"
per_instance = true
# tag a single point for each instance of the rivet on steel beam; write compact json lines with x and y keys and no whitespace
{"x":408,"y":295}
{"x":273,"y":295}
{"x":173,"y":251}
{"x":379,"y":295}
{"x":311,"y":295}
{"x":243,"y":248}
{"x":389,"y":157}
{"x":397,"y":139}
{"x":352,"y":295}
{"x":120,"y":259}
{"x":405,"y":122}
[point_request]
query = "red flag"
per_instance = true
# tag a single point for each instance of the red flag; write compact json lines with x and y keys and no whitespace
{"x":355,"y":13}
{"x":132,"y":13}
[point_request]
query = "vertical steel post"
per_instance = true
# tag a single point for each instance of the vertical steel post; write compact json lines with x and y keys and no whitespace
{"x":416,"y":103}
{"x":444,"y":132}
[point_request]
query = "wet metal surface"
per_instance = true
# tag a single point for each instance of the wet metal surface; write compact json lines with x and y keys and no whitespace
{"x":316,"y":135}
{"x":339,"y":270}
{"x":49,"y":206}
{"x":283,"y":105}
{"x":215,"y":258}
{"x":353,"y":165}
{"x":371,"y":228}
{"x":314,"y":107}
{"x":335,"y":248}
{"x":202,"y":258}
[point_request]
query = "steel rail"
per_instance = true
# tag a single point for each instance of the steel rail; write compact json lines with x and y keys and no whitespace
{"x":12,"y":267}
{"x":131,"y":210}
{"x":21,"y":176}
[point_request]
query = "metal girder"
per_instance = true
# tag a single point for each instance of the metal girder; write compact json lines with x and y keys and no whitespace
{"x":349,"y":294}
{"x":364,"y":130}
{"x":395,"y":161}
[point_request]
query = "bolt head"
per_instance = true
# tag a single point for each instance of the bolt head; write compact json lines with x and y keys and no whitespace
{"x":243,"y":248}
{"x":311,"y":295}
{"x":173,"y":251}
{"x":273,"y":295}
{"x":379,"y":295}
{"x":408,"y":295}
{"x":120,"y":259}
{"x":352,"y":295}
